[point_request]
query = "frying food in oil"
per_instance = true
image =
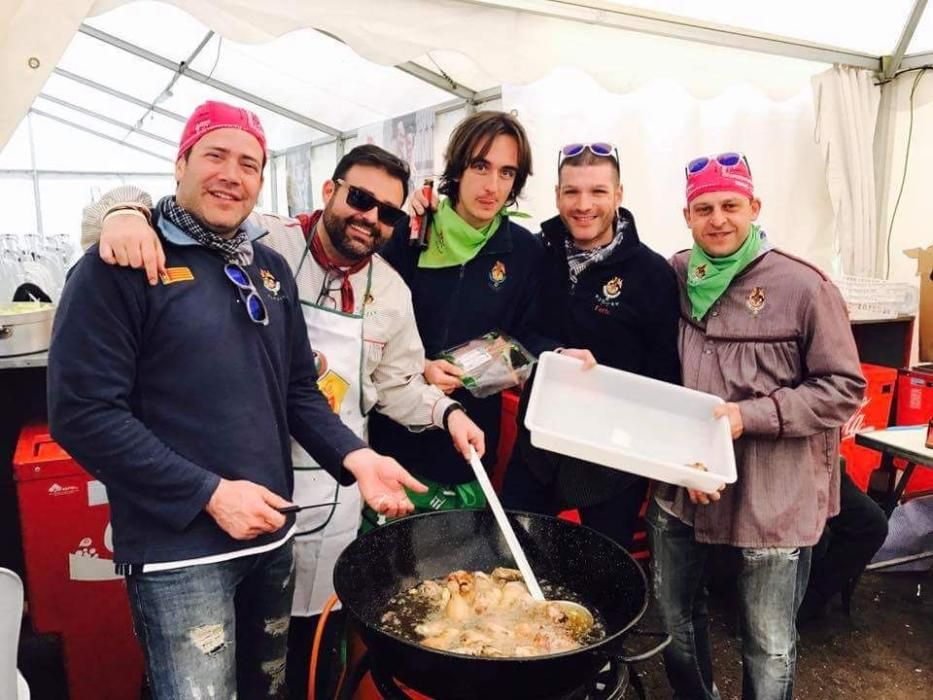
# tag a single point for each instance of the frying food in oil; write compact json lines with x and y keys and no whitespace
{"x":481,"y":614}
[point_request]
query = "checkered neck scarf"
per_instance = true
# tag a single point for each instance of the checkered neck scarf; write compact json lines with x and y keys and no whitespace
{"x":236,"y":249}
{"x":579,"y":260}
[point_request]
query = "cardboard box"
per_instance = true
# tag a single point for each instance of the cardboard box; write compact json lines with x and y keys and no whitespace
{"x":924,"y":258}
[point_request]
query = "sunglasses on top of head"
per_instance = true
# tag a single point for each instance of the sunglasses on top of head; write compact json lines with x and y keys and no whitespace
{"x":598,"y":148}
{"x":727,"y":160}
{"x":363,"y":201}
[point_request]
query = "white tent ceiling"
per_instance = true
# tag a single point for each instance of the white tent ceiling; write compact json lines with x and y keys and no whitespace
{"x":307,"y":84}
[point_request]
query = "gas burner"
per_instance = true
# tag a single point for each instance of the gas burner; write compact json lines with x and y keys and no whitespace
{"x":612,"y":683}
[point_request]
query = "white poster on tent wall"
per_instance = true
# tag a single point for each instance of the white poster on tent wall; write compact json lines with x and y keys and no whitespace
{"x":298,"y":180}
{"x":411,"y":138}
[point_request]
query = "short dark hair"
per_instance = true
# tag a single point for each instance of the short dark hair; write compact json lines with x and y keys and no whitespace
{"x":478,"y":131}
{"x":375,"y":157}
{"x":587,"y":157}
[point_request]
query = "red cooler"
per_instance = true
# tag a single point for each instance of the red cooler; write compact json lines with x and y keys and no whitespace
{"x":873,"y":414}
{"x":915,"y":407}
{"x":71,"y":587}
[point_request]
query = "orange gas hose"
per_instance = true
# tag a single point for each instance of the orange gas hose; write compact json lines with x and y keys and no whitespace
{"x":316,"y":646}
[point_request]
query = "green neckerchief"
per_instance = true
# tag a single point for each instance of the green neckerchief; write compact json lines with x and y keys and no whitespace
{"x":708,"y":278}
{"x":452,"y":240}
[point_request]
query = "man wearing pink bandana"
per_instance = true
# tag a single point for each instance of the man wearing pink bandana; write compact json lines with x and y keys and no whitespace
{"x":769,"y":334}
{"x":183,"y":398}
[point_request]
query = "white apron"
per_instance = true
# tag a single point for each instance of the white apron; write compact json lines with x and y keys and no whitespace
{"x":323,"y":533}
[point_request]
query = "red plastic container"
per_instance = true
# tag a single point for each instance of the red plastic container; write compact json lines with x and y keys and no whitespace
{"x":873,"y":414}
{"x":915,"y":407}
{"x":71,"y":587}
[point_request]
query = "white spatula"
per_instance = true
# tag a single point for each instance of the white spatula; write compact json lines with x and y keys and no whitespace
{"x":581,"y":618}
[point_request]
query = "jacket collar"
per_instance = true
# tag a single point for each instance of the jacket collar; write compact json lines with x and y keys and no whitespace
{"x":501,"y":240}
{"x":174,"y":235}
{"x":555,"y":232}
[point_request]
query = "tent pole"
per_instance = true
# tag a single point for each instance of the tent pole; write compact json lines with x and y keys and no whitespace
{"x":81,"y":80}
{"x":98,"y":134}
{"x":601,"y":13}
{"x":108,"y":120}
{"x":35,"y":175}
{"x":171,"y":65}
{"x":893,"y":62}
{"x":274,"y":174}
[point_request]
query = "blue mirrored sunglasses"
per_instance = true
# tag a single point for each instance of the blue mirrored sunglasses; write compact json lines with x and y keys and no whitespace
{"x":598,"y":148}
{"x":255,"y":308}
{"x":728,"y":160}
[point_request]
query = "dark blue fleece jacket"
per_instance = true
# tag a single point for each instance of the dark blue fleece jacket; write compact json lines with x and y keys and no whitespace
{"x":161,"y":391}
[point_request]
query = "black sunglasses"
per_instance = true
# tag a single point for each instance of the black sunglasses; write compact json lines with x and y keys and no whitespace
{"x":363,"y":201}
{"x":255,"y":308}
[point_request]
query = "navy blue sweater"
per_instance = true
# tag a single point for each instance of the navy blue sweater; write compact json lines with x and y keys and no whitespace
{"x":161,"y":391}
{"x":496,"y":290}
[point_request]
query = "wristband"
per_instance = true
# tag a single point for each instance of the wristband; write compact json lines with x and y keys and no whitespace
{"x":127,"y":209}
{"x":450,"y":409}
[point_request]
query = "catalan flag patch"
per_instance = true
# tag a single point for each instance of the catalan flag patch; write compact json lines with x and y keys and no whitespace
{"x":176,"y":274}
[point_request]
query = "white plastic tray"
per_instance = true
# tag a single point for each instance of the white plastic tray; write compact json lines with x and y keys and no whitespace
{"x":629,"y":422}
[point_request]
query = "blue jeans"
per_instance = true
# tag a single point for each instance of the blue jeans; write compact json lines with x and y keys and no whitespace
{"x":216,"y":631}
{"x":770,"y":587}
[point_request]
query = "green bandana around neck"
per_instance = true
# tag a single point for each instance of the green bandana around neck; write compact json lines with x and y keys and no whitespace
{"x":452,"y":240}
{"x":708,"y":277}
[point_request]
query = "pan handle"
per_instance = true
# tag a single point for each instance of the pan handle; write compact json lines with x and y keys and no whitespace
{"x":617,"y":649}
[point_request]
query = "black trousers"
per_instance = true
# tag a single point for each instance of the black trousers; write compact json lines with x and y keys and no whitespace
{"x":847,"y":545}
{"x":615,"y":517}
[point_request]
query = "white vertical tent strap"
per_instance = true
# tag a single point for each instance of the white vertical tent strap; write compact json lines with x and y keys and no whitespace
{"x":846,"y":104}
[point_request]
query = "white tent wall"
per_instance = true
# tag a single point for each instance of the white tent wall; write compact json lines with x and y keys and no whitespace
{"x":661,"y":126}
{"x":913,"y":222}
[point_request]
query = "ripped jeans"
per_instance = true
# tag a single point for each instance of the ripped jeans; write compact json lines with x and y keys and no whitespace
{"x":771,"y":585}
{"x":216,"y":631}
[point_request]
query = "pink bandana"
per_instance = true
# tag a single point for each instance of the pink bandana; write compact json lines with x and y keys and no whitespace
{"x":716,"y":177}
{"x":219,"y":115}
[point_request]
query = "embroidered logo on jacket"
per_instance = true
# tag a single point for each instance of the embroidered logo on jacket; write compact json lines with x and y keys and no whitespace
{"x":612,"y":288}
{"x":606,"y":298}
{"x":270,"y":282}
{"x":497,"y":275}
{"x":699,"y":272}
{"x":756,"y":300}
{"x":176,"y":274}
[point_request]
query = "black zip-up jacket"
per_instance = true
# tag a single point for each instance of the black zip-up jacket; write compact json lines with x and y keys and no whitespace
{"x":496,"y":290}
{"x":625,"y":310}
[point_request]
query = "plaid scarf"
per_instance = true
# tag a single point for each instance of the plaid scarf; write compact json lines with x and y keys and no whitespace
{"x":236,"y":249}
{"x":579,"y":260}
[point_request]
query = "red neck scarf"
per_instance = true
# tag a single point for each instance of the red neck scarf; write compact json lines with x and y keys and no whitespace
{"x":347,"y":301}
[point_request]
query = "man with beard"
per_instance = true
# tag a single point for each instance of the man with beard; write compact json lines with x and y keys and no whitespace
{"x":359,"y":318}
{"x":181,"y":398}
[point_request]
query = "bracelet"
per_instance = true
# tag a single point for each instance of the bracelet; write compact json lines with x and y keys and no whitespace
{"x":127,"y":209}
{"x":450,"y":409}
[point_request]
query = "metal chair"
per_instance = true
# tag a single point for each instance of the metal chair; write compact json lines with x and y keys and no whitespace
{"x":12,"y":683}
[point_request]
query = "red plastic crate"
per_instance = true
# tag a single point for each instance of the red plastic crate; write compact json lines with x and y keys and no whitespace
{"x":914,"y":407}
{"x":873,"y":414}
